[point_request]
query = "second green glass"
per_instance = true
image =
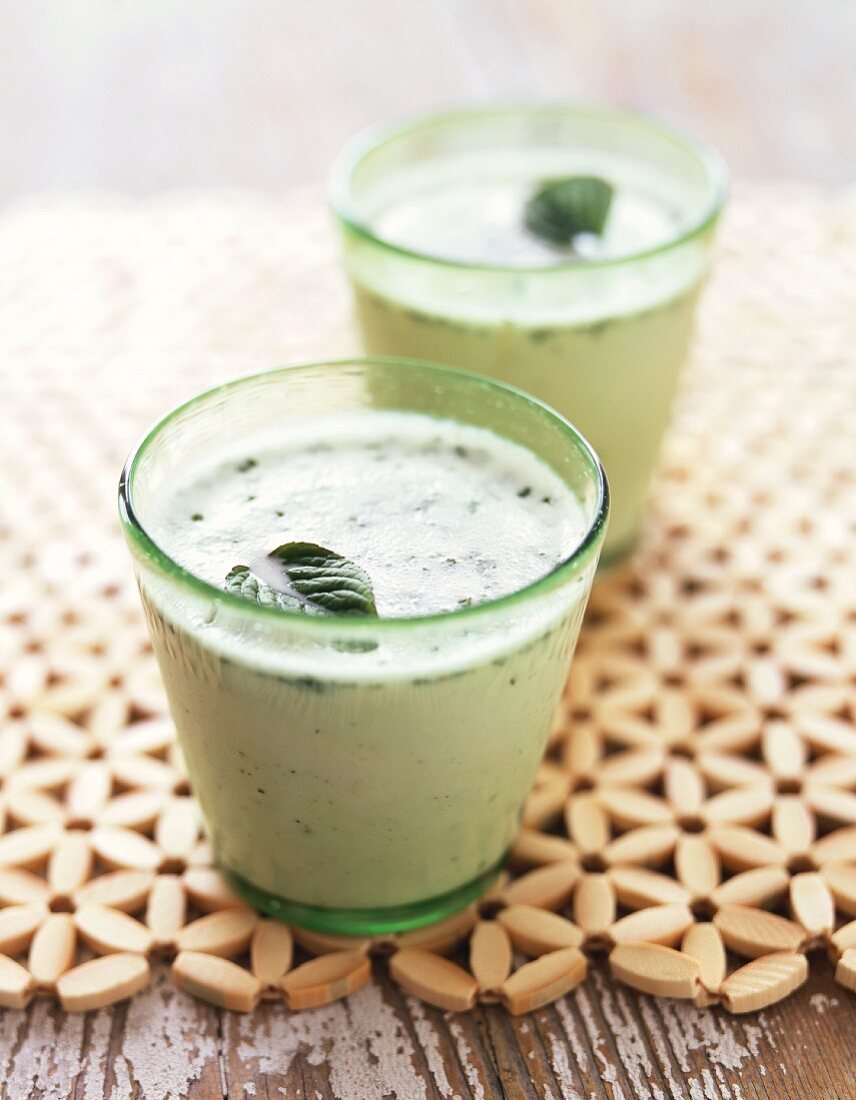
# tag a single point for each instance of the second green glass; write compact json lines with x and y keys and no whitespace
{"x":425,"y":207}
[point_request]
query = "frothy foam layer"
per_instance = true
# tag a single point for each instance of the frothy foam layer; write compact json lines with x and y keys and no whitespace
{"x":470,"y":209}
{"x":441,"y":515}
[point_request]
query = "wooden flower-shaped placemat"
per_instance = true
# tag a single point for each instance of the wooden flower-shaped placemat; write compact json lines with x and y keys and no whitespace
{"x":695,"y":817}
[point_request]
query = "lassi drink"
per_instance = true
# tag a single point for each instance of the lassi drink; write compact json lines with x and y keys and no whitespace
{"x":363,"y":767}
{"x":449,"y":265}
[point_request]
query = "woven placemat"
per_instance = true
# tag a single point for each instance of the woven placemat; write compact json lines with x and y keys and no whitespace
{"x":697,"y":808}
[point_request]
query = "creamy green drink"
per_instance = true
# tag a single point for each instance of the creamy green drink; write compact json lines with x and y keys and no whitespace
{"x":361,"y":764}
{"x":448,"y":265}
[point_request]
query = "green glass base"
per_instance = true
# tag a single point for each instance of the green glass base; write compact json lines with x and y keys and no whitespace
{"x":363,"y":922}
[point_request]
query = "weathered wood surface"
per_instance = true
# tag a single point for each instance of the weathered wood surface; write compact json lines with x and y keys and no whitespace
{"x":603,"y":1042}
{"x":261,"y":93}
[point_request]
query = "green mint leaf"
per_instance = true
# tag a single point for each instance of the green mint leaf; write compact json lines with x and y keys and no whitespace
{"x":306,"y":577}
{"x":560,"y":209}
{"x":241,"y":581}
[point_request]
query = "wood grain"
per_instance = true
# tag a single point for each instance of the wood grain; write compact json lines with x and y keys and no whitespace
{"x":602,"y":1041}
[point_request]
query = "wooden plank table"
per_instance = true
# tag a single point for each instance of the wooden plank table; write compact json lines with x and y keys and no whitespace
{"x":111,"y":310}
{"x":605,"y":1042}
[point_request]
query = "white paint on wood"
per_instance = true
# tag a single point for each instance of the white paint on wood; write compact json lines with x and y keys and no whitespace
{"x":361,"y":1041}
{"x":166,"y":1043}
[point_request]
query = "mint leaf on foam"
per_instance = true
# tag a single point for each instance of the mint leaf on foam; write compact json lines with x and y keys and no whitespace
{"x":304,"y":577}
{"x":561,"y":209}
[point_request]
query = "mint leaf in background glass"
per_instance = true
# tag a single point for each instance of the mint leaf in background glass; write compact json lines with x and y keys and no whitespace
{"x":561,"y":209}
{"x":305,"y":577}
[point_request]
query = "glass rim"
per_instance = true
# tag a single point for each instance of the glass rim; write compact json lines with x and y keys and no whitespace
{"x":389,"y":130}
{"x":566,"y":569}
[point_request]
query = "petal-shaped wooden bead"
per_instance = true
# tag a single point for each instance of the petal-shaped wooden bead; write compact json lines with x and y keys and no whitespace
{"x":18,"y":924}
{"x":650,"y":845}
{"x":14,"y":743}
{"x":28,"y":847}
{"x":812,"y":903}
{"x":831,"y":770}
{"x":166,"y":910}
{"x":548,"y":887}
{"x":843,"y":939}
{"x":761,"y":887}
{"x":655,"y":969}
{"x":151,"y":738}
{"x":123,"y":890}
{"x":784,"y":751}
{"x":109,"y":931}
{"x":123,"y":849}
{"x":587,"y":822}
{"x":827,"y":734}
{"x":753,"y":932}
{"x":52,"y":949}
{"x":663,"y":924}
{"x":102,"y":982}
{"x":57,"y":736}
{"x":831,"y":804}
{"x":135,"y":810}
{"x":327,"y":978}
{"x":697,"y":865}
{"x":630,"y":809}
{"x":793,"y":825}
{"x":49,"y":774}
{"x":271,"y":952}
{"x":733,"y":732}
{"x":88,"y":792}
{"x":216,"y":980}
{"x":18,"y":887}
{"x":704,"y":943}
{"x":226,"y":933}
{"x":177,"y":828}
{"x":34,"y":808}
{"x":536,"y":931}
{"x":739,"y":806}
{"x":145,"y":772}
{"x":582,"y":751}
{"x":637,"y":887}
{"x":434,"y":979}
{"x":684,"y":787}
{"x":490,"y":955}
{"x":763,"y":982}
{"x":544,"y":806}
{"x":634,"y":767}
{"x":208,"y":890}
{"x":836,"y":847}
{"x":17,"y":985}
{"x":70,"y":863}
{"x":845,"y":970}
{"x":534,"y":849}
{"x":544,"y":980}
{"x":594,"y":904}
{"x":841,"y":880}
{"x":741,"y":849}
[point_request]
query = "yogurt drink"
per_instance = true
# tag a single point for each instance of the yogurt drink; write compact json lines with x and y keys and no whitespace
{"x":444,"y":266}
{"x":365,"y":771}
